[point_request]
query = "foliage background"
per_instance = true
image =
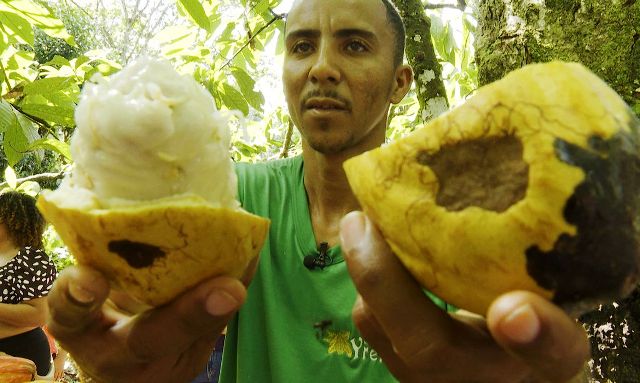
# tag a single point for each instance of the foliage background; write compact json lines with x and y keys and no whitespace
{"x":49,"y":48}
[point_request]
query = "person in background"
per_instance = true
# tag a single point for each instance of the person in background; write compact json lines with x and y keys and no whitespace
{"x":26,"y":275}
{"x":343,"y":69}
{"x":58,"y":354}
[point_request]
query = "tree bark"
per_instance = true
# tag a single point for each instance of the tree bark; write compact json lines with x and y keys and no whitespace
{"x":603,"y":35}
{"x":421,"y":55}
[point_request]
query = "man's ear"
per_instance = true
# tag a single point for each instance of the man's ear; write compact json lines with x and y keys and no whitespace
{"x":402,"y":84}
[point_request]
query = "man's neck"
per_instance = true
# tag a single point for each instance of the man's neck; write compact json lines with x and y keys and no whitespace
{"x":329,"y":194}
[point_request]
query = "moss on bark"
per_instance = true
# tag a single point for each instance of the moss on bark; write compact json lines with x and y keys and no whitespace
{"x":421,"y":55}
{"x":603,"y":35}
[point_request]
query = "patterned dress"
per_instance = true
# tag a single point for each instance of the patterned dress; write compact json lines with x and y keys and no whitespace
{"x":29,"y":275}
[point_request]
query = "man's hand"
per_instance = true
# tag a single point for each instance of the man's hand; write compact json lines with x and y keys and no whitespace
{"x":170,"y":343}
{"x":525,"y":338}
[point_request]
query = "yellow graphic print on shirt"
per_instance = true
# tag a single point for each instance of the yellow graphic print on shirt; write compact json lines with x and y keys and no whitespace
{"x":338,"y":342}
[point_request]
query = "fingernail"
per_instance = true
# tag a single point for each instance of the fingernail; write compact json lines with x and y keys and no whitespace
{"x":521,"y":325}
{"x":352,"y":227}
{"x":221,"y":303}
{"x":79,"y":294}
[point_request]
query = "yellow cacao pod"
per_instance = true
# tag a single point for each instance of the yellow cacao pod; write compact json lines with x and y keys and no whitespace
{"x":532,"y":184}
{"x":157,"y":249}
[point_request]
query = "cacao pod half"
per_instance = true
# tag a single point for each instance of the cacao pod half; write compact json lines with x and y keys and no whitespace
{"x":16,"y":370}
{"x":532,"y":184}
{"x":157,"y":249}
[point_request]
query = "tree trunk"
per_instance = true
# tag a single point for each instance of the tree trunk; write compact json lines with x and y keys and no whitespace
{"x":421,"y":55}
{"x":603,"y":35}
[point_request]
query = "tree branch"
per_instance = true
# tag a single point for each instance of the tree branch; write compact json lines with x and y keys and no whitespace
{"x":37,"y":178}
{"x":287,"y":141}
{"x":275,"y":18}
{"x":4,"y":75}
{"x":42,"y":123}
{"x":151,"y":30}
{"x":105,"y":34}
{"x":81,"y":9}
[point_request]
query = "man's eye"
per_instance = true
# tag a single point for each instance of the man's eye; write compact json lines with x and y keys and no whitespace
{"x":356,"y":46}
{"x":301,"y":47}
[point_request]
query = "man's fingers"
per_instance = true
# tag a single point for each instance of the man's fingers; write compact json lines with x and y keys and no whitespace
{"x":75,"y":301}
{"x":77,"y":313}
{"x":388,"y":289}
{"x":250,"y":272}
{"x":424,"y":337}
{"x":552,"y":343}
{"x":371,"y":330}
{"x":539,"y":335}
{"x":199,"y":314}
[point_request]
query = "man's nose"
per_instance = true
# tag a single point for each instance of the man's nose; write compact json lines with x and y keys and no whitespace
{"x":325,"y":69}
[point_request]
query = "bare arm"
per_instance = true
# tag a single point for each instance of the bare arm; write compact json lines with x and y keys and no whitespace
{"x":7,"y":330}
{"x":32,"y":313}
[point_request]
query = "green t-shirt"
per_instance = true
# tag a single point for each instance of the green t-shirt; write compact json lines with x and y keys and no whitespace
{"x":296,"y":323}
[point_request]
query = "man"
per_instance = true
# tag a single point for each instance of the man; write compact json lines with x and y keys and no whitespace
{"x":342,"y":70}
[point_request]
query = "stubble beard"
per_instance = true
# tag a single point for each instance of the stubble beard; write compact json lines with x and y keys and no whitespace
{"x":327,"y":145}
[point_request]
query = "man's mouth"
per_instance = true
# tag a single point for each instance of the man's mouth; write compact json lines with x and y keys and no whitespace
{"x":324,"y":103}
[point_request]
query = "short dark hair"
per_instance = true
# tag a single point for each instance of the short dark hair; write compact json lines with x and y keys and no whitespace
{"x":22,"y":219}
{"x":393,"y":15}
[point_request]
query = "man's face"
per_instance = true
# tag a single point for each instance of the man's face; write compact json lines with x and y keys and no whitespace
{"x":339,"y":76}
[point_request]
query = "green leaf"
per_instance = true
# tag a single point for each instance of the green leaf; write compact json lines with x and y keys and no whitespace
{"x":79,"y":61}
{"x":226,"y":34}
{"x":248,"y":150}
{"x":48,"y":85}
{"x":56,"y":114}
{"x":175,"y":33}
{"x":4,"y":39}
{"x":38,"y":16}
{"x":174,"y":40}
{"x":197,"y":13}
{"x":20,"y":65}
{"x":31,"y":188}
{"x":215,"y":18}
{"x":248,"y":56}
{"x":247,"y":85}
{"x":18,"y":25}
{"x":30,"y":131}
{"x":58,"y":61}
{"x":437,"y":27}
{"x":469,"y":23}
{"x":280,"y":42}
{"x":10,"y":177}
{"x":52,"y":144}
{"x":450,"y":45}
{"x":64,"y":99}
{"x":7,"y":116}
{"x":233,"y":99}
{"x":15,"y":143}
{"x":260,"y":7}
{"x":15,"y":136}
